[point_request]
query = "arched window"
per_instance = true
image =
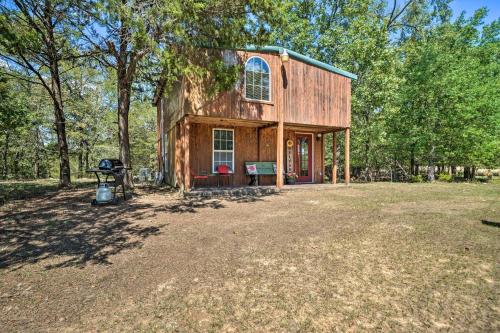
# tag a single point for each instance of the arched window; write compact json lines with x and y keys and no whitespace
{"x":257,"y":79}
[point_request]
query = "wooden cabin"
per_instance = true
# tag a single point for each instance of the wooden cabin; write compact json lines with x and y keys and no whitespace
{"x":278,"y":111}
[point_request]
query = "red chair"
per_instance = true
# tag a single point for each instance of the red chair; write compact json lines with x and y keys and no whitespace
{"x":224,"y":170}
{"x":203,"y":176}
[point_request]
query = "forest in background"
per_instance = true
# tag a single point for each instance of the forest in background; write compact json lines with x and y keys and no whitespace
{"x":29,"y":143}
{"x":427,"y":89}
{"x":426,"y":98}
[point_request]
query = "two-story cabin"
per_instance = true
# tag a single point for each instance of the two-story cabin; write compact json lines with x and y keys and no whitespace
{"x":278,"y":111}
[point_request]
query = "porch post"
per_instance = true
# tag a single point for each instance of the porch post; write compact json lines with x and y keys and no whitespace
{"x":279,"y":152}
{"x":334,"y":158}
{"x":187,"y":168}
{"x":347,"y":172}
{"x":285,"y":105}
{"x":178,"y":157}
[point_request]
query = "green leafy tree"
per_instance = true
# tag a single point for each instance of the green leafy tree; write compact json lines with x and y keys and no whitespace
{"x":12,"y":116}
{"x":22,"y":128}
{"x":127,"y":33}
{"x":356,"y":36}
{"x":35,"y":41}
{"x":86,"y":113}
{"x":448,"y":100}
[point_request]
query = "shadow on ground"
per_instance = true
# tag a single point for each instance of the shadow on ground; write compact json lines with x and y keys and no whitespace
{"x":192,"y":204}
{"x":65,"y":227}
{"x":491,"y":223}
{"x":18,"y":190}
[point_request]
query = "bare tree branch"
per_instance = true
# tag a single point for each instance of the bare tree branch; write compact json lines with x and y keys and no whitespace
{"x":20,"y":77}
{"x":38,"y":75}
{"x":112,"y":50}
{"x":394,"y":3}
{"x":26,"y":13}
{"x":393,"y":17}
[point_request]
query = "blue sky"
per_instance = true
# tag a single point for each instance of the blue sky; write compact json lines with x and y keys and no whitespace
{"x":471,"y":5}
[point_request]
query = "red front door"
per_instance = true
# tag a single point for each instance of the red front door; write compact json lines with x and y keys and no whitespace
{"x":303,"y":165}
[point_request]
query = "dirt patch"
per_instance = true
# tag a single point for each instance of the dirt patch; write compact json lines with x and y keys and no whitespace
{"x":371,"y":257}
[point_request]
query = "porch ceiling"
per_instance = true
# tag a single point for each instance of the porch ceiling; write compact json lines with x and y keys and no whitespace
{"x":228,"y":121}
{"x":312,"y":128}
{"x":261,"y":124}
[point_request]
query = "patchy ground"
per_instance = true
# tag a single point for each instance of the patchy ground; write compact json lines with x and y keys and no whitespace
{"x":26,"y":189}
{"x":372,"y":257}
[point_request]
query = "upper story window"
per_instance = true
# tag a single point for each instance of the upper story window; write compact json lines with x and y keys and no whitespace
{"x":257,"y":79}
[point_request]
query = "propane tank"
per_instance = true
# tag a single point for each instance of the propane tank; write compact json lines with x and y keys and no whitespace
{"x":103,"y":193}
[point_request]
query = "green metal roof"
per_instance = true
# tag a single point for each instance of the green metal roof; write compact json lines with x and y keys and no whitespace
{"x":301,"y":57}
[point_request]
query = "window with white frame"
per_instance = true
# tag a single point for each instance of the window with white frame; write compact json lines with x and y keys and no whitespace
{"x":257,"y":79}
{"x":223,"y":148}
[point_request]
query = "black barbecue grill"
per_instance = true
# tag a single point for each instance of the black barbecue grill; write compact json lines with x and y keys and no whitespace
{"x":110,"y":164}
{"x":115,"y":169}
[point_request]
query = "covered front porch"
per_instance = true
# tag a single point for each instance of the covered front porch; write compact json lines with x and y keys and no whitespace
{"x":297,"y":151}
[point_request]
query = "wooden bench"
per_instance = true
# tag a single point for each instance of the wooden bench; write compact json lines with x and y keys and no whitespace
{"x":262,"y":169}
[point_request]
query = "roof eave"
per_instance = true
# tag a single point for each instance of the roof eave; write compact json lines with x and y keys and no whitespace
{"x":302,"y":58}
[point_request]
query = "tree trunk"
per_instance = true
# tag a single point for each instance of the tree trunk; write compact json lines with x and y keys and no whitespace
{"x":37,"y":168}
{"x":466,"y":173}
{"x":367,"y":158}
{"x":56,"y":94}
{"x":64,"y":167}
{"x":16,"y":165}
{"x":5,"y":152}
{"x":412,"y":163}
{"x":473,"y":173}
{"x":453,"y":169}
{"x":124,"y":90}
{"x":80,"y":162}
{"x":126,"y":64}
{"x":37,"y":153}
{"x":86,"y":153}
{"x":430,"y":169}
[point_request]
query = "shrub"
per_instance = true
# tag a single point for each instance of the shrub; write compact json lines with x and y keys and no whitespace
{"x":416,"y":179}
{"x":444,"y":177}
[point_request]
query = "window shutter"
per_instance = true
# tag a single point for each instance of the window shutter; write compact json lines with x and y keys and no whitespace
{"x":257,"y":80}
{"x":265,"y":87}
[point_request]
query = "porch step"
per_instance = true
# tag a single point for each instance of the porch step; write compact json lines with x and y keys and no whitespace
{"x":232,"y":191}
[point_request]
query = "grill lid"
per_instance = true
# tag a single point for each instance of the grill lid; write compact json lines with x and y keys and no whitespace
{"x":110,"y":164}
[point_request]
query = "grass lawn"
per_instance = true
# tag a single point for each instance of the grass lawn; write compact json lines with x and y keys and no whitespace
{"x":368,"y":257}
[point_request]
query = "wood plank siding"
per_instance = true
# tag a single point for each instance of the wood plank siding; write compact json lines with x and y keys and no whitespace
{"x":250,"y":144}
{"x":316,"y":97}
